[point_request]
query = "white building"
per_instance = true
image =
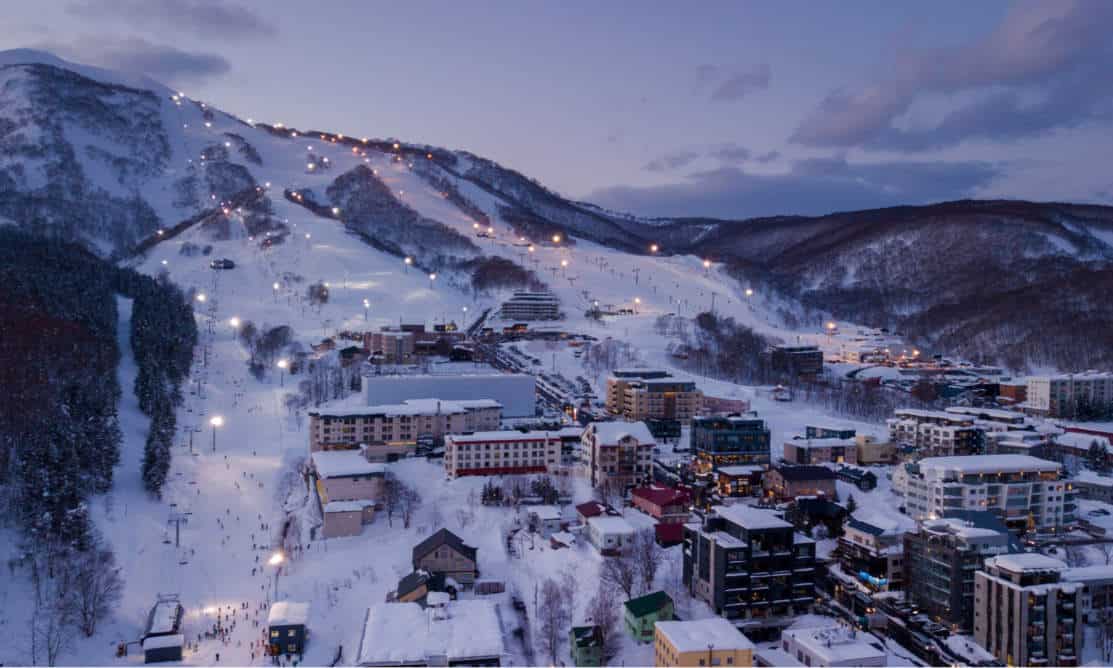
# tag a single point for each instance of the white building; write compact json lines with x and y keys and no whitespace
{"x":618,"y":454}
{"x":501,"y":453}
{"x":823,"y":646}
{"x":1062,"y":395}
{"x":936,"y":433}
{"x":1028,"y":493}
{"x":447,"y":633}
{"x":531,"y":306}
{"x":516,"y":393}
{"x":608,"y":532}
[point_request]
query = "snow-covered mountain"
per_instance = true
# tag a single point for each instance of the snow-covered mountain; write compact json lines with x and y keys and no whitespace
{"x":123,"y":163}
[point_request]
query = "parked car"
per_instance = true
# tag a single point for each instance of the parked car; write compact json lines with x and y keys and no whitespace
{"x":222,"y":263}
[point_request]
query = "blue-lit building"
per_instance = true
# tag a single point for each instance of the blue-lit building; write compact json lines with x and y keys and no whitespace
{"x":729,"y":441}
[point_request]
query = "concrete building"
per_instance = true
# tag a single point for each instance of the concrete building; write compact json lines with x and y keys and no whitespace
{"x":1064,"y":395}
{"x":531,"y":306}
{"x":667,"y":505}
{"x":935,"y":433}
{"x":940,"y":559}
{"x":609,"y":533}
{"x":516,"y":393}
{"x":349,"y":488}
{"x":1029,"y":494}
{"x":823,"y":646}
{"x":641,"y":394}
{"x":1025,"y":614}
{"x":806,"y":451}
{"x":702,"y":642}
{"x":788,"y":482}
{"x":871,"y":551}
{"x":806,"y":361}
{"x":1094,"y":486}
{"x":750,"y":566}
{"x":391,"y":431}
{"x":446,"y":633}
{"x":729,"y":441}
{"x":871,"y":450}
{"x":501,"y":453}
{"x":618,"y":454}
{"x":390,"y":346}
{"x":1097,"y":591}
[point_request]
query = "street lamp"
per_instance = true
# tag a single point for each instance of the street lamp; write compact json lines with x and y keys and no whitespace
{"x":706,"y":266}
{"x":276,"y":560}
{"x":749,"y":292}
{"x":408,"y":261}
{"x":366,"y":305}
{"x":653,"y":248}
{"x":235,"y":323}
{"x":283,"y":364}
{"x":637,"y":301}
{"x":556,"y":238}
{"x":275,"y":287}
{"x":216,"y":421}
{"x":201,"y":297}
{"x":432,"y":277}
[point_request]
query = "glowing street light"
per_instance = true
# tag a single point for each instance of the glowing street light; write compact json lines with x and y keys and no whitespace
{"x":653,"y":248}
{"x":336,"y":211}
{"x":749,"y":292}
{"x":275,"y":287}
{"x":235,"y":324}
{"x":366,"y":305}
{"x":432,"y":277}
{"x":556,"y":238}
{"x":216,"y":422}
{"x":276,"y":560}
{"x":282,"y":365}
{"x":408,"y":261}
{"x":201,"y":297}
{"x":637,"y":302}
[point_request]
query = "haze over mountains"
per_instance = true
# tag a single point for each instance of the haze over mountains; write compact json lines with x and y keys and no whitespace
{"x":109,"y":160}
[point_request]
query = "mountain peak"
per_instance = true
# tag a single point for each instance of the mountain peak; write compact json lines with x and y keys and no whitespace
{"x":27,"y":56}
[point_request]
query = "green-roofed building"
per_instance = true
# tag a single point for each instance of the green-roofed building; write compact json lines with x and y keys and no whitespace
{"x":643,"y":612}
{"x":586,"y":643}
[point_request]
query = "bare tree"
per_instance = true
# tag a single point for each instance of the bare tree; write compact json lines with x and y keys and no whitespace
{"x":647,"y":556}
{"x":391,"y":488}
{"x":1106,"y":550}
{"x":620,"y":572}
{"x":570,"y":587}
{"x":54,"y":609}
{"x":602,"y":611}
{"x":554,"y":617}
{"x":97,"y":588}
{"x":408,"y":501}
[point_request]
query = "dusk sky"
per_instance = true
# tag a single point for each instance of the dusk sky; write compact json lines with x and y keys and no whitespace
{"x":727,"y":109}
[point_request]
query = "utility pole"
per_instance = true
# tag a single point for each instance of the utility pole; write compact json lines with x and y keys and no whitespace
{"x":177,"y":518}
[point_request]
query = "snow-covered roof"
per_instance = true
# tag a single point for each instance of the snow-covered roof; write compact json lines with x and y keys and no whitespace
{"x":1087,"y":574}
{"x":880,"y":524}
{"x":741,"y":469}
{"x":749,"y":517}
{"x":396,"y":633}
{"x":960,"y":527}
{"x":609,"y":524}
{"x":508,"y":435}
{"x":836,"y":645}
{"x":545,"y":512}
{"x":288,"y":613}
{"x":1077,"y":441}
{"x":809,"y":443}
{"x":612,"y":432}
{"x":1026,"y":561}
{"x":988,"y":464}
{"x":411,"y":407}
{"x":931,"y":415}
{"x":344,"y":463}
{"x":998,"y":413}
{"x":1094,"y":478}
{"x":164,"y":617}
{"x":697,"y":635}
{"x":163,"y":642}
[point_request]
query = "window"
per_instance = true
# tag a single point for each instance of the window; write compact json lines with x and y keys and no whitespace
{"x":291,"y":649}
{"x":292,"y":633}
{"x":274,"y":634}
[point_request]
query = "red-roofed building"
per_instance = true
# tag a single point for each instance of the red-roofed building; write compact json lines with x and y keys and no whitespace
{"x":669,"y":534}
{"x":585,"y":511}
{"x":666,"y":504}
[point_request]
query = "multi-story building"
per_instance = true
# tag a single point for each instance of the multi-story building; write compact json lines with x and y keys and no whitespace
{"x":830,"y":646}
{"x":667,"y":505}
{"x":618,"y":454}
{"x":935,"y":433}
{"x":349,"y":487}
{"x":940,"y":559}
{"x":729,"y":441}
{"x":871,"y":551}
{"x":804,"y":361}
{"x":501,"y":453}
{"x":390,"y":346}
{"x":1065,"y":395}
{"x":641,"y":394}
{"x":750,"y":566}
{"x":1029,"y":494}
{"x":871,"y":450}
{"x":391,"y":430}
{"x":531,"y":306}
{"x":788,"y":482}
{"x":1025,"y":613}
{"x":701,"y":642}
{"x":803,"y":452}
{"x":1014,"y":419}
{"x":1094,"y":486}
{"x":1012,"y":392}
{"x":516,"y":392}
{"x":829,"y":431}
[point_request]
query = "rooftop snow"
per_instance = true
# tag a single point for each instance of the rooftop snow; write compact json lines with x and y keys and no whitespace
{"x":396,"y":633}
{"x":1026,"y":561}
{"x":511,"y":435}
{"x":545,"y":512}
{"x":988,"y":464}
{"x":835,"y":645}
{"x":749,"y":517}
{"x":697,"y":635}
{"x":808,"y":443}
{"x":612,"y":432}
{"x":607,"y":524}
{"x":163,"y":642}
{"x":344,"y":463}
{"x":412,"y":407}
{"x":1094,"y":478}
{"x":1089,"y":573}
{"x":1077,"y":441}
{"x":741,"y":469}
{"x":288,"y":613}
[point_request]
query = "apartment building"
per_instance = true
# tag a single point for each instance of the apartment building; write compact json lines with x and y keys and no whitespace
{"x":501,"y":453}
{"x":618,"y":454}
{"x":1029,"y":494}
{"x":643,"y":394}
{"x":349,"y":487}
{"x":806,"y":361}
{"x":1064,"y":395}
{"x":729,"y":441}
{"x":1025,"y":613}
{"x":940,"y":559}
{"x":390,"y":346}
{"x":871,"y":551}
{"x":786,"y":482}
{"x":935,"y":433}
{"x":531,"y":306}
{"x":806,"y":451}
{"x":871,"y":450}
{"x":750,"y":566}
{"x":391,"y":430}
{"x":703,"y":642}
